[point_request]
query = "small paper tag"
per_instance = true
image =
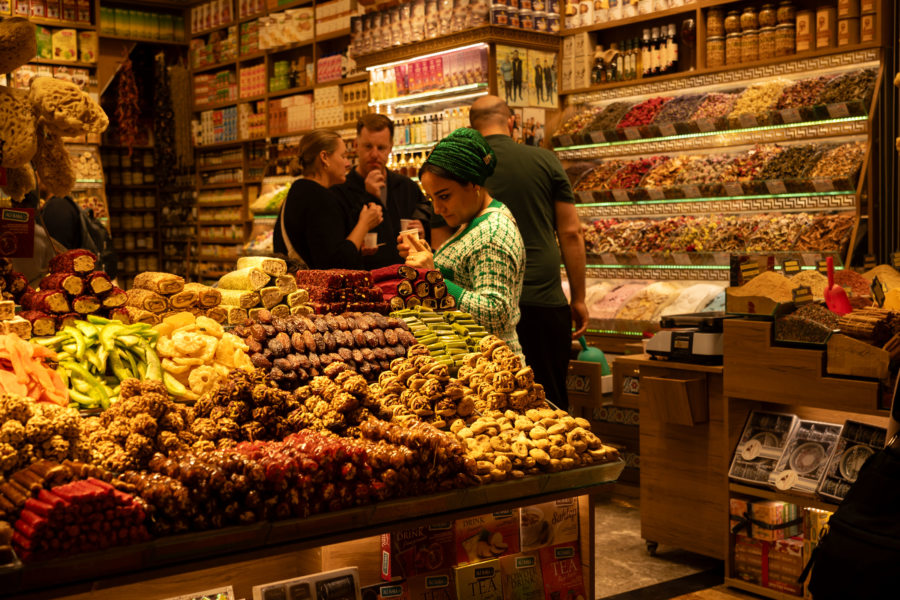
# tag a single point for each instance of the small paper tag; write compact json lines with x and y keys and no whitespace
{"x":869,"y":262}
{"x":786,"y":480}
{"x":586,"y":197}
{"x":809,"y":259}
{"x":776,"y":186}
{"x":748,"y":120}
{"x":667,"y":129}
{"x":749,"y":270}
{"x":790,"y":115}
{"x":790,"y":266}
{"x":608,"y":258}
{"x":656,"y":194}
{"x":632,"y":133}
{"x":802,"y":294}
{"x":621,"y":195}
{"x":823,"y":185}
{"x":597,"y":137}
{"x":751,"y":450}
{"x":895,"y":259}
{"x":877,"y":291}
{"x":691,"y":191}
{"x":822,"y":266}
{"x":681,"y":258}
{"x":566,"y":140}
{"x":645,"y":258}
{"x":838,"y":110}
{"x":734,"y":188}
{"x":706,"y":125}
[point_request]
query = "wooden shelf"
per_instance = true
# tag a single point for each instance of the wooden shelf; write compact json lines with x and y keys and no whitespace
{"x":214,"y":66}
{"x":220,"y":186}
{"x":254,"y":98}
{"x":288,"y":92}
{"x":222,"y":223}
{"x":485,"y":33}
{"x":218,"y":145}
{"x":219,"y":241}
{"x":252,"y":55}
{"x":196,"y":34}
{"x":140,"y":40}
{"x":216,"y":105}
{"x":215,"y":259}
{"x":138,"y":230}
{"x":221,"y":167}
{"x":803,"y":500}
{"x":253,"y":17}
{"x":758,"y":589}
{"x":62,"y":24}
{"x":142,"y":209}
{"x":333,"y":35}
{"x":137,"y":251}
{"x":230,"y":203}
{"x":137,"y":186}
{"x":63,"y":63}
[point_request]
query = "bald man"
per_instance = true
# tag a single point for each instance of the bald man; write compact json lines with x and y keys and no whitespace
{"x":531,"y":182}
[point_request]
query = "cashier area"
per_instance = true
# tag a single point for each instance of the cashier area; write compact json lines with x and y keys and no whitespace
{"x":659,"y":400}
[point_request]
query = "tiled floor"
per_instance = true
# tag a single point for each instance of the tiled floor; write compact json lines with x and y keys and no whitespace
{"x":626,"y":571}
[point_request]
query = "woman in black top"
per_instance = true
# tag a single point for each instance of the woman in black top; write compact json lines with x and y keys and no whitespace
{"x":311,"y":216}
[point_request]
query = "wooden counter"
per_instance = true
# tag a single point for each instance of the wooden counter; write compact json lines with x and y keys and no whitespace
{"x":255,"y":554}
{"x":683,"y":466}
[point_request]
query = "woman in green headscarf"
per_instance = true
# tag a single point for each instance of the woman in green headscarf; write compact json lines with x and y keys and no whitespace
{"x":483,"y":263}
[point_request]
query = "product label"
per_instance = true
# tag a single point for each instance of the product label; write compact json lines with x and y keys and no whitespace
{"x":790,"y":115}
{"x":585,"y":197}
{"x":620,"y":195}
{"x":706,"y":125}
{"x":667,"y":129}
{"x":822,"y":266}
{"x":691,"y":191}
{"x":877,"y":291}
{"x":566,"y":140}
{"x":681,"y":258}
{"x":656,"y":193}
{"x":598,"y":137}
{"x":17,"y":233}
{"x":838,"y":110}
{"x":790,"y":266}
{"x":749,"y":271}
{"x":734,"y":188}
{"x":802,"y":294}
{"x":632,"y":133}
{"x":776,"y":186}
{"x":869,"y":262}
{"x":823,"y":185}
{"x":748,"y":120}
{"x":608,"y":258}
{"x":895,"y":259}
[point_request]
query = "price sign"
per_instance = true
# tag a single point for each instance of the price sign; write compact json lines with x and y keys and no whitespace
{"x":838,"y":110}
{"x":586,"y":197}
{"x":566,"y":140}
{"x":597,"y":137}
{"x":802,"y":294}
{"x":749,"y":270}
{"x":620,"y":195}
{"x":877,"y":291}
{"x":17,"y":232}
{"x":790,"y":266}
{"x":748,"y":120}
{"x":608,"y":258}
{"x":706,"y":125}
{"x":667,"y":129}
{"x":776,"y":186}
{"x":734,"y":188}
{"x":656,"y":193}
{"x":822,"y":266}
{"x":632,"y":133}
{"x":895,"y":259}
{"x":790,"y":115}
{"x":823,"y":185}
{"x":869,"y":262}
{"x":691,"y":191}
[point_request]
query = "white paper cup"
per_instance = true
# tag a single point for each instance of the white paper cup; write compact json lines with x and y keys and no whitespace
{"x":371,"y":240}
{"x":406,"y":224}
{"x":410,"y":233}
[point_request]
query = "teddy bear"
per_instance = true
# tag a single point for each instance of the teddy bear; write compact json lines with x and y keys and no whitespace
{"x":34,"y":121}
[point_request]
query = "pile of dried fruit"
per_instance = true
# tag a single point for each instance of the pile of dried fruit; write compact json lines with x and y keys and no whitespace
{"x":341,"y":290}
{"x":262,"y":283}
{"x":156,"y":295}
{"x":31,"y":430}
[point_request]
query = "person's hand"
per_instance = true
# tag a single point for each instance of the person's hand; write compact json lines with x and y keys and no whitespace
{"x":371,"y":216}
{"x":419,"y":255}
{"x":580,"y":316}
{"x":375,"y":182}
{"x":403,"y":247}
{"x":368,"y":251}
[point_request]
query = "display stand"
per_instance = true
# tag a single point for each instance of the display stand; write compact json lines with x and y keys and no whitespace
{"x":255,"y":554}
{"x":759,"y":375}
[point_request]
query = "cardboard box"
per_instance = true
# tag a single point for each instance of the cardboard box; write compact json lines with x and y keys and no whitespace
{"x":586,"y":383}
{"x":561,"y":571}
{"x":418,"y":550}
{"x":774,"y":520}
{"x":480,"y":581}
{"x":487,"y":536}
{"x":434,"y":586}
{"x":65,"y":44}
{"x":87,"y":46}
{"x":386,"y":591}
{"x":311,"y":586}
{"x":44,"y":38}
{"x":521,"y":577}
{"x":549,"y":524}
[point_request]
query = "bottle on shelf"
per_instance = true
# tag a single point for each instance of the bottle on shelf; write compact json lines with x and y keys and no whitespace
{"x":646,"y":66}
{"x":655,"y":52}
{"x":672,"y":49}
{"x":620,"y":63}
{"x":598,"y":71}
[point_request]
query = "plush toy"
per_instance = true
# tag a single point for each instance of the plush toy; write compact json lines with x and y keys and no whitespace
{"x":34,"y":121}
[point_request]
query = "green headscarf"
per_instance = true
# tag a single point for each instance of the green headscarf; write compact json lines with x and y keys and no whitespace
{"x":465,"y":154}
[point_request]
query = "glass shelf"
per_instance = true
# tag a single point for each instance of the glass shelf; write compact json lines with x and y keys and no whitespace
{"x":455,"y":93}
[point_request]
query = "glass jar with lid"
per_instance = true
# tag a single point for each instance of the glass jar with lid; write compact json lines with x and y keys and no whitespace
{"x":750,"y":46}
{"x":785,"y":39}
{"x":715,"y":51}
{"x":749,"y":20}
{"x":766,"y":43}
{"x":786,"y":12}
{"x":733,"y":49}
{"x":768,"y":15}
{"x":733,"y":22}
{"x":715,"y":22}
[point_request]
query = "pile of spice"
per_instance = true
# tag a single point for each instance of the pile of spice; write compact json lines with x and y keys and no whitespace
{"x":811,"y":323}
{"x":666,"y":173}
{"x":614,"y":300}
{"x":804,"y":92}
{"x":643,"y":113}
{"x":747,"y":165}
{"x":759,"y":98}
{"x":872,"y":325}
{"x":630,"y":175}
{"x":576,"y":170}
{"x":648,"y":302}
{"x":791,"y":163}
{"x":577,"y":122}
{"x":609,"y":117}
{"x":827,"y":233}
{"x":679,"y":109}
{"x":887,"y":275}
{"x":767,"y":285}
{"x":842,"y":161}
{"x":853,"y":85}
{"x":598,"y":177}
{"x":715,"y":105}
{"x":774,"y":231}
{"x":857,"y":287}
{"x":814,"y":280}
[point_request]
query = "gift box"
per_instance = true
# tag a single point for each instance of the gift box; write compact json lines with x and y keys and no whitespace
{"x":487,"y":536}
{"x":775,"y":565}
{"x":418,"y":550}
{"x":766,"y":520}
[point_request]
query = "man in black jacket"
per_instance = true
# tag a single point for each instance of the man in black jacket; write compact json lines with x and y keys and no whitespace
{"x":400,"y":196}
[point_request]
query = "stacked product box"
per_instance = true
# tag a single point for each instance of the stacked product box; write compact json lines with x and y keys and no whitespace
{"x":253,"y":81}
{"x":329,"y":110}
{"x":210,"y":15}
{"x":577,"y":57}
{"x":218,"y":126}
{"x":285,"y":28}
{"x":766,"y":520}
{"x":291,"y":114}
{"x":281,"y":76}
{"x":141,"y":24}
{"x":203,"y":54}
{"x":252,"y":119}
{"x":247,"y":8}
{"x":330,"y":68}
{"x":249,"y":41}
{"x":215,"y":87}
{"x":775,"y":565}
{"x":333,"y":16}
{"x":525,"y":554}
{"x":355,"y":101}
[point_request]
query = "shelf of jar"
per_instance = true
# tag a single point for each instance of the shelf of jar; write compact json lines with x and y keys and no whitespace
{"x":846,"y":126}
{"x":216,"y":105}
{"x":804,"y":500}
{"x":220,"y":241}
{"x":218,"y":145}
{"x":236,"y":164}
{"x":829,"y":58}
{"x":448,"y":94}
{"x":801,"y":202}
{"x":83,"y":25}
{"x":141,"y":40}
{"x":688,"y":7}
{"x":333,"y":35}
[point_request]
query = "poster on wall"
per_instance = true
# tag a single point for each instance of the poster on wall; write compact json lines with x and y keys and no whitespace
{"x":528,"y":127}
{"x":527,"y":78}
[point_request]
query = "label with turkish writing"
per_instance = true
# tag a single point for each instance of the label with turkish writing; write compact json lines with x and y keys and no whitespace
{"x":895,"y":259}
{"x":566,"y":140}
{"x":877,"y":291}
{"x":656,"y":193}
{"x":681,"y":258}
{"x":822,"y":266}
{"x":790,"y":266}
{"x":598,"y":137}
{"x":632,"y":133}
{"x":790,"y":115}
{"x":691,"y":191}
{"x":734,"y":188}
{"x":621,"y":195}
{"x":869,"y":262}
{"x":17,"y":232}
{"x":706,"y":125}
{"x":802,"y":294}
{"x":748,"y":120}
{"x":776,"y":186}
{"x":586,"y":197}
{"x":749,"y":270}
{"x":838,"y":110}
{"x":823,"y":185}
{"x":667,"y":129}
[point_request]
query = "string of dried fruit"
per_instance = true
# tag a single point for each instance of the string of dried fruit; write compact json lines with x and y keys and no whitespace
{"x":180,"y":93}
{"x":163,"y":124}
{"x":128,"y":109}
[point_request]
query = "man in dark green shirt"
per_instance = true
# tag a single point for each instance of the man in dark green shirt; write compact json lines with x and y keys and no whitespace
{"x":533,"y":185}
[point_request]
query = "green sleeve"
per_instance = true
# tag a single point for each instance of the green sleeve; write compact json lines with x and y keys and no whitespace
{"x":495,"y":274}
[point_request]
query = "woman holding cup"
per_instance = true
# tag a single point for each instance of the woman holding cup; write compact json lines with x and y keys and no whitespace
{"x":483,"y":262}
{"x":310,"y":224}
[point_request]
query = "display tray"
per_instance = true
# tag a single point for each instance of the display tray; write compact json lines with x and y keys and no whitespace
{"x":758,"y":307}
{"x":314,"y":531}
{"x":789,"y":116}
